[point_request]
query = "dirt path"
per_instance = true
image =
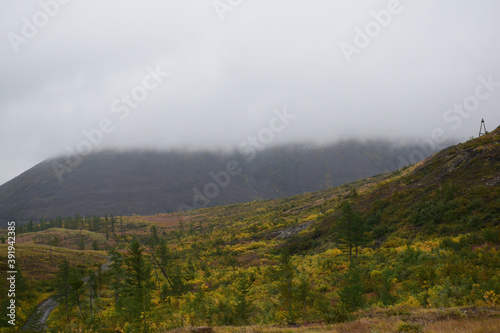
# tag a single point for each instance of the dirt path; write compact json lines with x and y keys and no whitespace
{"x":36,"y":322}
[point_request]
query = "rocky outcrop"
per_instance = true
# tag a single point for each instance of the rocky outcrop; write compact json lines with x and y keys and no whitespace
{"x":292,"y":231}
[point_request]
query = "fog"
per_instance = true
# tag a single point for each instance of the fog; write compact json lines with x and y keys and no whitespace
{"x":192,"y":74}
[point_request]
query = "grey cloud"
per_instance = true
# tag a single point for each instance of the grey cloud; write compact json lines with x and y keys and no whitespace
{"x":227,"y":76}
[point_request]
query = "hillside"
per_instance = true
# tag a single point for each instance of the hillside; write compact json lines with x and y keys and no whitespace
{"x":126,"y":183}
{"x":66,"y":238}
{"x":431,"y":235}
{"x":453,"y":192}
{"x":286,"y":261}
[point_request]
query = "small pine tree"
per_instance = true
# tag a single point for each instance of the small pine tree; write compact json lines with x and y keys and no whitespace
{"x":351,"y":292}
{"x":112,"y":221}
{"x":351,"y":231}
{"x":76,"y":284}
{"x":117,"y":272}
{"x":286,"y":286}
{"x":242,"y":308}
{"x":63,"y":285}
{"x":106,"y":225}
{"x":121,"y":225}
{"x":171,"y":268}
{"x":138,"y":283}
{"x":154,"y":239}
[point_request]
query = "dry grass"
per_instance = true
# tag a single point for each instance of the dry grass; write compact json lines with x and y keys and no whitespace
{"x":66,"y":238}
{"x":39,"y":262}
{"x":418,"y":321}
{"x":487,"y":325}
{"x":168,"y":222}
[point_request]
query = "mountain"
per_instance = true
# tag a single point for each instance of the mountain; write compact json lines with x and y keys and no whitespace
{"x":424,"y":245}
{"x":126,"y":183}
{"x":451,"y":193}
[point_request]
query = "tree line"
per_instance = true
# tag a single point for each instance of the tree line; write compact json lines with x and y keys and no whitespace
{"x":109,"y":224}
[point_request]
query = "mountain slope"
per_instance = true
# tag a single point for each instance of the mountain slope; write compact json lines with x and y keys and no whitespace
{"x":453,"y":192}
{"x":432,"y":239}
{"x":152,"y":182}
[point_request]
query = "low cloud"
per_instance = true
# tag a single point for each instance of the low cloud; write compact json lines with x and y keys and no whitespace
{"x":227,"y":75}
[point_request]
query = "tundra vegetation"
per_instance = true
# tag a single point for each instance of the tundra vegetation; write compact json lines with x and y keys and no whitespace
{"x":416,"y":250}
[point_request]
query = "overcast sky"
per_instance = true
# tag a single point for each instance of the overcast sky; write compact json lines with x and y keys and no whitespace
{"x":341,"y":68}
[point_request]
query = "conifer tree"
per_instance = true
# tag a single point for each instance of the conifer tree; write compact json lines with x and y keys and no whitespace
{"x":154,"y":239}
{"x":63,"y":285}
{"x":106,"y":225}
{"x":121,"y":225}
{"x":351,"y":291}
{"x":112,"y":222}
{"x":170,"y":267}
{"x":138,"y":282}
{"x":76,"y":284}
{"x":117,"y":272}
{"x":242,"y":303}
{"x":351,"y":230}
{"x":286,"y":286}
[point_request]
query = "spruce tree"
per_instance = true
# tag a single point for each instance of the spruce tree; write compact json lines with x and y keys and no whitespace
{"x":286,"y":286}
{"x":154,"y":239}
{"x":117,"y":272}
{"x":352,"y":291}
{"x":106,"y":225}
{"x":63,"y":285}
{"x":112,"y":221}
{"x":76,"y":284}
{"x":351,"y":230}
{"x":138,"y":282}
{"x":242,"y":302}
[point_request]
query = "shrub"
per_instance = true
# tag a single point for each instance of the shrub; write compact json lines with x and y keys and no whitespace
{"x":448,"y":243}
{"x":410,"y":327}
{"x":331,"y":314}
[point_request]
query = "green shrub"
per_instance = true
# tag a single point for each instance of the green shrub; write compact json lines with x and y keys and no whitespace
{"x":474,"y":222}
{"x":491,"y":235}
{"x":410,"y":328}
{"x":331,"y":314}
{"x":448,"y":243}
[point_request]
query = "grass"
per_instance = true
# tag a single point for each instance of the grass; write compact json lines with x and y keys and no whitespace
{"x":65,"y":238}
{"x":38,"y":262}
{"x":376,"y":325}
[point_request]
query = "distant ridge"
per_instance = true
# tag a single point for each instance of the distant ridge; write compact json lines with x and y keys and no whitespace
{"x":127,"y":183}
